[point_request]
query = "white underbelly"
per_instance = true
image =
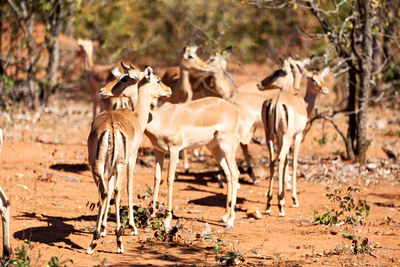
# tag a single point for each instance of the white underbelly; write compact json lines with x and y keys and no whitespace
{"x":198,"y":136}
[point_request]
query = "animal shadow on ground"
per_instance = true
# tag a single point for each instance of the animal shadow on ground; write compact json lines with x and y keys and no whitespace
{"x":202,"y":178}
{"x":217,"y":200}
{"x":57,"y":230}
{"x":74,"y":168}
{"x":153,"y":250}
{"x":391,"y":199}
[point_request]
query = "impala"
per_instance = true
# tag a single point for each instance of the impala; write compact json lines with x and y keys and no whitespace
{"x":284,"y":118}
{"x":98,"y":76}
{"x":113,"y":144}
{"x":179,"y":126}
{"x":5,"y":214}
{"x":203,"y":83}
{"x":180,"y":85}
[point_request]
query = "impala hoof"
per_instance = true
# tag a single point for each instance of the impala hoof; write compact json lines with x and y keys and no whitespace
{"x":134,"y":230}
{"x":120,"y":250}
{"x":167,"y":226}
{"x":89,"y":250}
{"x":225,"y":218}
{"x":103,"y":233}
{"x":296,"y":205}
{"x":281,"y":214}
{"x":229,"y":224}
{"x":268,"y":211}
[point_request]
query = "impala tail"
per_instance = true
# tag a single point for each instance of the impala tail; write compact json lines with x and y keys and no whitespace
{"x":281,"y":117}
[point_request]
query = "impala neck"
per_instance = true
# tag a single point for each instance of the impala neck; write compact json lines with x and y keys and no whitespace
{"x":142,"y":108}
{"x":185,"y":84}
{"x":222,"y":84}
{"x":87,"y":59}
{"x":297,"y":79}
{"x":310,"y":97}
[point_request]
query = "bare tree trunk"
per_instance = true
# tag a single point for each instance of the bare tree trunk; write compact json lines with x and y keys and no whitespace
{"x":25,"y":13}
{"x":33,"y":89}
{"x":53,"y":47}
{"x":351,"y":107}
{"x":365,"y":78}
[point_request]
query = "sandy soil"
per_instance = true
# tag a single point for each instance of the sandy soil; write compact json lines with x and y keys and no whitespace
{"x":46,"y":176}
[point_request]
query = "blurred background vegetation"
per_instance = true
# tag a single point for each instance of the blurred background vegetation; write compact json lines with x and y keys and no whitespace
{"x":155,"y":31}
{"x":358,"y":39}
{"x":161,"y":28}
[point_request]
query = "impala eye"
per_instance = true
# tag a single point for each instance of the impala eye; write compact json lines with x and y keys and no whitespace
{"x":212,"y":59}
{"x":124,"y":79}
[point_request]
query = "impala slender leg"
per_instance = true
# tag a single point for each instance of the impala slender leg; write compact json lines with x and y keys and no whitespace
{"x":5,"y":218}
{"x":296,"y":148}
{"x":185,"y":161}
{"x":121,"y":173}
{"x":131,"y":170}
{"x":199,"y":153}
{"x":247,"y":157}
{"x":282,"y":159}
{"x":174,"y":157}
{"x":288,"y":178}
{"x":271,"y":173}
{"x":102,"y":205}
{"x":217,"y":153}
{"x":230,"y":155}
{"x":157,"y":177}
{"x":105,"y":215}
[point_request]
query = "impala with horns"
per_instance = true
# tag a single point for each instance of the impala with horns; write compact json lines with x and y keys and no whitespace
{"x":284,"y":118}
{"x":113,"y":144}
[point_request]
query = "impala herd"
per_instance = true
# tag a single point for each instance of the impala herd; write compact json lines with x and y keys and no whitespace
{"x":200,"y":106}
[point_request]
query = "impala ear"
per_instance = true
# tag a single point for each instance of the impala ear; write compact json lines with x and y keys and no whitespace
{"x":325,"y":72}
{"x":305,"y":72}
{"x":125,"y":67}
{"x":117,"y":74}
{"x":150,"y":118}
{"x":267,"y":82}
{"x":148,"y":71}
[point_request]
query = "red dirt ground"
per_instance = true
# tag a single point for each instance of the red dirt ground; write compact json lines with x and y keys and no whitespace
{"x":45,"y":174}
